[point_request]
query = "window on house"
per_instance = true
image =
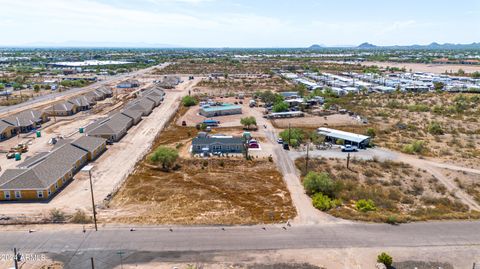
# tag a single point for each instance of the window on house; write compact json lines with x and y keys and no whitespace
{"x":40,"y":194}
{"x":56,"y":185}
{"x":6,"y":194}
{"x":49,"y":192}
{"x":18,"y":194}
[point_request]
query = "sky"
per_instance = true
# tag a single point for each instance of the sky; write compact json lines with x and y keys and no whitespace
{"x":235,"y":23}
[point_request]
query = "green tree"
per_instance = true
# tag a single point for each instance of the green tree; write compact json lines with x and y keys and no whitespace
{"x":438,"y":86}
{"x":36,"y":88}
{"x":476,"y":74}
{"x":2,"y":86}
{"x":248,"y":121}
{"x":189,"y":101}
{"x":461,"y":72}
{"x":280,"y":107}
{"x":385,"y":259}
{"x":319,"y":183}
{"x":293,"y":136}
{"x":164,"y":155}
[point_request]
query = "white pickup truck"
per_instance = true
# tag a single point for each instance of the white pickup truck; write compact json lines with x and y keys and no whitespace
{"x":349,"y":148}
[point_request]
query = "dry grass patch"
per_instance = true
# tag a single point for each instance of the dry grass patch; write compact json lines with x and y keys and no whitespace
{"x":215,"y":191}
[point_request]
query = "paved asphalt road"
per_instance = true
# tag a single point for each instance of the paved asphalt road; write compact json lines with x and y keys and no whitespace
{"x":74,"y":247}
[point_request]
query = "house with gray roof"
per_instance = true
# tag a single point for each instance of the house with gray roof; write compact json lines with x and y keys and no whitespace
{"x":143,"y":104}
{"x":217,"y":144}
{"x":44,"y":175}
{"x":157,"y":100}
{"x":106,"y":91}
{"x":7,"y":130}
{"x":135,"y":115}
{"x":94,"y":146}
{"x":81,"y":102}
{"x":27,"y":120}
{"x":62,"y":109}
{"x":95,"y":95}
{"x":112,"y":128}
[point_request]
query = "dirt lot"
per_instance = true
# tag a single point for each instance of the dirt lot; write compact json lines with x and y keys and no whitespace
{"x":431,"y":68}
{"x":398,"y":190}
{"x":215,"y":191}
{"x":202,"y":191}
{"x":222,"y":86}
{"x":312,"y":121}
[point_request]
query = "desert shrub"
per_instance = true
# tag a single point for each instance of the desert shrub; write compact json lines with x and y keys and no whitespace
{"x":319,"y":183}
{"x":323,"y":202}
{"x":417,"y":146}
{"x":435,"y":128}
{"x":371,"y":132}
{"x":80,"y":217}
{"x":56,"y":215}
{"x":363,"y":205}
{"x":385,"y":259}
{"x":391,"y":220}
{"x":189,"y":101}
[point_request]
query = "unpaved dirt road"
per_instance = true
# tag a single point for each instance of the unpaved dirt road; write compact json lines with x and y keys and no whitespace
{"x":306,"y":213}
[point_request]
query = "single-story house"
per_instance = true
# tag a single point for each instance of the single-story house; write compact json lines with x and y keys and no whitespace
{"x":40,"y":179}
{"x":62,"y":109}
{"x":223,"y":110}
{"x":112,"y":128}
{"x":143,"y":104}
{"x":157,"y":100}
{"x":214,"y":144}
{"x":131,"y":83}
{"x":7,"y":130}
{"x":135,"y":115}
{"x":106,"y":91}
{"x":82,"y":103}
{"x":332,"y":135}
{"x":95,"y":95}
{"x":94,"y":146}
{"x":27,"y":120}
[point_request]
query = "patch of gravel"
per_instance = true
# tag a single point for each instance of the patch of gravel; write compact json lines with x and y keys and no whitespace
{"x":421,"y":265}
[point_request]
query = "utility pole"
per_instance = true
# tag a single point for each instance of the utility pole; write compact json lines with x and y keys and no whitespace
{"x":15,"y":258}
{"x":93,"y":201}
{"x":306,"y":159}
{"x":348,"y":160}
{"x":289,"y":134}
{"x":93,"y":264}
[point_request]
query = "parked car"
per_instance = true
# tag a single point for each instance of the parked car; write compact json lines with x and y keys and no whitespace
{"x":280,"y":141}
{"x":286,"y":146}
{"x":349,"y":148}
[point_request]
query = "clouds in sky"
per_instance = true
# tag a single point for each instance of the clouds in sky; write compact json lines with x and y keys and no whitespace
{"x":219,"y":23}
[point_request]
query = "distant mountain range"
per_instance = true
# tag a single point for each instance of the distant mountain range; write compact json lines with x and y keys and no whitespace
{"x":82,"y":44}
{"x":431,"y":46}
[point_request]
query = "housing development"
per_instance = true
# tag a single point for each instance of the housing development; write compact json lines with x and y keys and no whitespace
{"x":221,"y":153}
